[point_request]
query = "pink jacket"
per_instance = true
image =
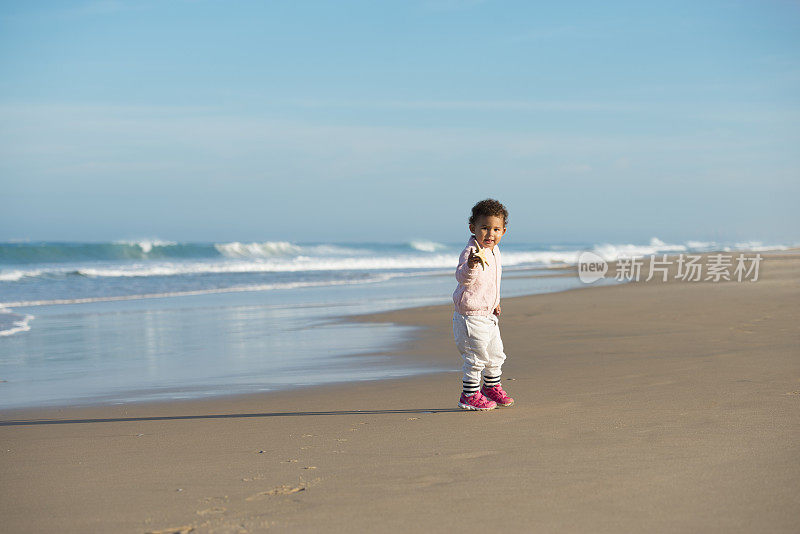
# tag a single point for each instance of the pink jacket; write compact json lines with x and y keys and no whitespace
{"x":478,"y":291}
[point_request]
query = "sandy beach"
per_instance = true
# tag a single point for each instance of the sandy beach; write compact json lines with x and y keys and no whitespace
{"x":644,"y":407}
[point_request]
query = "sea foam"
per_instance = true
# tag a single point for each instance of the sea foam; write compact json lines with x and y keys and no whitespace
{"x":426,"y":246}
{"x":257,"y":250}
{"x":6,"y":306}
{"x":12,"y":322}
{"x":146,"y":245}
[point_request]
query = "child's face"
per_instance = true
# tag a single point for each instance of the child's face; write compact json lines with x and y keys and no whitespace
{"x":488,"y":230}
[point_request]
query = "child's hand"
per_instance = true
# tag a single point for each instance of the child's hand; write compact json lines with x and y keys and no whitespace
{"x":473,"y":259}
{"x":497,"y":311}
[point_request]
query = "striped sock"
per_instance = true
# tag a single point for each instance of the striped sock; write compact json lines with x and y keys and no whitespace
{"x":470,"y":387}
{"x":491,"y":381}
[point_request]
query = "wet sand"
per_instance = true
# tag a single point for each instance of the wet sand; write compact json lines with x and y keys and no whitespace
{"x":646,"y":407}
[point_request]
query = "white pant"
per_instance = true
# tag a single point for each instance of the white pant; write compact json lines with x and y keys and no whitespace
{"x":478,"y":340}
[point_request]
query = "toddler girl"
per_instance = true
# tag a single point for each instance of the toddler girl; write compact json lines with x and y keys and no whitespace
{"x":477,"y":307}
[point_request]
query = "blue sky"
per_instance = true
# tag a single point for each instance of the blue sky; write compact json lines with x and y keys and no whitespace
{"x":385,"y":121}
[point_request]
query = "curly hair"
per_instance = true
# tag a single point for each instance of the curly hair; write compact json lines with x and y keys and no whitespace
{"x":487,"y":208}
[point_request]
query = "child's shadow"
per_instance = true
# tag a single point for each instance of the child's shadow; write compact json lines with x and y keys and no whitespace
{"x":21,"y":422}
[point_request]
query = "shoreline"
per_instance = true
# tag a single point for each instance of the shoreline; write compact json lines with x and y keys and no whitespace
{"x":648,"y":405}
{"x":402,"y":350}
{"x":338,"y":354}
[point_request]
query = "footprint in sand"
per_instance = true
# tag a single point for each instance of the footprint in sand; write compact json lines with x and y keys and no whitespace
{"x":214,"y":510}
{"x":431,"y":480}
{"x":471,"y":455}
{"x":280,"y":490}
{"x":223,"y":498}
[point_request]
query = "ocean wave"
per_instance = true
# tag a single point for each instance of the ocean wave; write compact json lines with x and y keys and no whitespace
{"x":281,"y":256}
{"x":544,"y":257}
{"x":310,"y":264}
{"x":755,"y":246}
{"x":146,"y":245}
{"x":256,"y":250}
{"x":333,"y":250}
{"x":279,"y":265}
{"x":16,"y":275}
{"x":611,"y":252}
{"x":296,"y":264}
{"x":65,"y":252}
{"x":272,"y":249}
{"x":661,"y":246}
{"x":157,"y":249}
{"x":700,"y":245}
{"x":235,"y":289}
{"x":426,"y":246}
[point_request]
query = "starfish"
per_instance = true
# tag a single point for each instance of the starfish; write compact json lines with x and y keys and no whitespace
{"x":481,"y":253}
